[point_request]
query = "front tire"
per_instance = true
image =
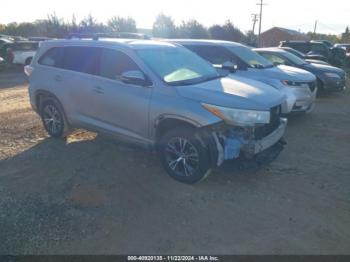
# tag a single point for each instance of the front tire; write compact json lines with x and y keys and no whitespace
{"x":183,"y":156}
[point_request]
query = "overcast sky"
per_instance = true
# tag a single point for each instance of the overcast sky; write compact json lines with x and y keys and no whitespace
{"x":333,"y":16}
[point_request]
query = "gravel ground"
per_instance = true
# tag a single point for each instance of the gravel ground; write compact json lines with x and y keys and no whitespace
{"x":92,"y":195}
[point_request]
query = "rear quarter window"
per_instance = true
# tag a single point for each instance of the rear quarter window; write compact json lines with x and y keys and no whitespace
{"x":73,"y":58}
{"x":53,"y":57}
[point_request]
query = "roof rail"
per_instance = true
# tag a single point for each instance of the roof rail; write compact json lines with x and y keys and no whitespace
{"x":96,"y":36}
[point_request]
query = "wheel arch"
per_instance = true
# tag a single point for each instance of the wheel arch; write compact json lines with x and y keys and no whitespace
{"x":165,"y":123}
{"x":43,"y":95}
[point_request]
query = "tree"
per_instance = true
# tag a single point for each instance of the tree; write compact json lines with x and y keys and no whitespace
{"x":331,"y":38}
{"x":55,"y":26}
{"x":233,"y":33}
{"x":345,"y":37}
{"x":192,"y":29}
{"x":90,"y":25}
{"x":227,"y":32}
{"x":164,"y":27}
{"x":120,"y":24}
{"x":217,"y":32}
{"x":251,"y":39}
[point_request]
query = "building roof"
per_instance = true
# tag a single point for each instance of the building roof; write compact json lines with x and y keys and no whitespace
{"x":286,"y":30}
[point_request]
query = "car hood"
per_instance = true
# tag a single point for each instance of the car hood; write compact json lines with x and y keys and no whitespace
{"x":236,"y":93}
{"x":281,"y":72}
{"x":297,"y":73}
{"x":316,"y":62}
{"x":323,"y":68}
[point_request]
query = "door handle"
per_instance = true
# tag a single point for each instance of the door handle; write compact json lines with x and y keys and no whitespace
{"x":58,"y":78}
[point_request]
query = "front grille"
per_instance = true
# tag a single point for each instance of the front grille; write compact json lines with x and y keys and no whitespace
{"x":263,"y":131}
{"x":312,"y":86}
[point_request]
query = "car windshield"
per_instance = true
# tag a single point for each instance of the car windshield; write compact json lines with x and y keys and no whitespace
{"x":294,"y":58}
{"x":250,"y":57}
{"x":178,"y":66}
{"x":294,"y":52}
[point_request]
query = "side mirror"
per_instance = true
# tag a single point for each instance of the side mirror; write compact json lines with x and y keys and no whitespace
{"x":134,"y":77}
{"x":229,"y":66}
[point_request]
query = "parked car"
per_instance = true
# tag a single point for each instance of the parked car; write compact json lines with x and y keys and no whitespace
{"x":156,"y":94}
{"x":326,"y":42}
{"x":310,"y":59}
{"x":251,"y":65}
{"x":4,"y":40}
{"x":346,"y":47}
{"x":19,"y":52}
{"x":318,"y":49}
{"x":329,"y":78}
{"x":124,"y":35}
{"x":39,"y":38}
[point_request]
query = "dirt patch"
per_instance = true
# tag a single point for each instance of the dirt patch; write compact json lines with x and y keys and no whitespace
{"x":87,"y":196}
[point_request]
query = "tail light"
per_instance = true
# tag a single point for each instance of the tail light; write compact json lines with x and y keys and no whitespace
{"x":28,"y":70}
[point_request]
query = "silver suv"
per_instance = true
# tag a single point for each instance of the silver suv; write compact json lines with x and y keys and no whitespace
{"x":155,"y":94}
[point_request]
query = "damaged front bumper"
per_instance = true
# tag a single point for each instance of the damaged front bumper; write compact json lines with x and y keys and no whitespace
{"x":233,"y":143}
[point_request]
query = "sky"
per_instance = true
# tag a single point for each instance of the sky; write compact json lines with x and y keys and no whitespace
{"x":332,"y":16}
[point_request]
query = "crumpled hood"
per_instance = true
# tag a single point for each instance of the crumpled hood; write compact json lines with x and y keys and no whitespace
{"x":239,"y":93}
{"x":323,"y":68}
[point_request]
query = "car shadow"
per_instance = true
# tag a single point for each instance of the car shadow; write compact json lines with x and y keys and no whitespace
{"x":59,"y":191}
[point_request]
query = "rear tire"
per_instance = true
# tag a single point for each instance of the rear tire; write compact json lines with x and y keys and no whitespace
{"x":53,"y":119}
{"x":183,"y":156}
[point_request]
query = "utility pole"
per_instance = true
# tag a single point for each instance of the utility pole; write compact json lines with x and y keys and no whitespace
{"x":315,"y":27}
{"x":255,"y":19}
{"x":260,"y":20}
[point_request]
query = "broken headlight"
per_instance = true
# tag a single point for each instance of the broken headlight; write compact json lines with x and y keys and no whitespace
{"x":239,"y":117}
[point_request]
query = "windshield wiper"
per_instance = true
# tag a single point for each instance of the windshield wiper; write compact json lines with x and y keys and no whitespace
{"x":258,"y":66}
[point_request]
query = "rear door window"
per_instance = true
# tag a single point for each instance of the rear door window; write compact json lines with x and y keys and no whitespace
{"x":81,"y":59}
{"x":114,"y":63}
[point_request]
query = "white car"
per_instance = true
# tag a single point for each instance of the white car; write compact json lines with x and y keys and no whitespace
{"x":22,"y":52}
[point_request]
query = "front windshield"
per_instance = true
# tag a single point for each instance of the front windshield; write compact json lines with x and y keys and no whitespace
{"x":294,"y":52}
{"x":250,"y":57}
{"x":294,"y":58}
{"x":177,"y":66}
